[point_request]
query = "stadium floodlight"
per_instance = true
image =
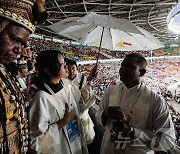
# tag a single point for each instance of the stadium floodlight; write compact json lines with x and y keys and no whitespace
{"x":173,"y":19}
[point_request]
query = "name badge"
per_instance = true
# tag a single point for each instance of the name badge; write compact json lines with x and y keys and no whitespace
{"x":72,"y":130}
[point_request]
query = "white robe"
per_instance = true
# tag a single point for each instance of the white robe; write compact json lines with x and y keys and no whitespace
{"x":45,"y":111}
{"x":89,"y":99}
{"x":86,"y":91}
{"x":153,"y":116}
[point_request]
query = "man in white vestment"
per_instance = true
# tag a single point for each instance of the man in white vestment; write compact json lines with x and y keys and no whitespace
{"x":137,"y":120}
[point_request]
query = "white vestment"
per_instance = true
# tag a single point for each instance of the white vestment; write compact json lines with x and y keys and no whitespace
{"x":86,"y":91}
{"x":45,"y":111}
{"x":150,"y":119}
{"x":89,"y":99}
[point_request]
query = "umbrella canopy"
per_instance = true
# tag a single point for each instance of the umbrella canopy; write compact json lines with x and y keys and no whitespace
{"x":122,"y":41}
{"x":106,"y":32}
{"x":77,"y":28}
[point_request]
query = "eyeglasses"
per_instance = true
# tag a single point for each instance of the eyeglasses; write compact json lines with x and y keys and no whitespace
{"x":63,"y":64}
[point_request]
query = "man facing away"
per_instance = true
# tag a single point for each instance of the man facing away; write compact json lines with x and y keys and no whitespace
{"x":137,"y":120}
{"x":17,"y":19}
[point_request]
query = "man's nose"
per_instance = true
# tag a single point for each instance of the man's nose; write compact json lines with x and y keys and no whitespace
{"x":66,"y":67}
{"x":71,"y":70}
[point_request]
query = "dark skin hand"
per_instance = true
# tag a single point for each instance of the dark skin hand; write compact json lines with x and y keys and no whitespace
{"x":112,"y":112}
{"x":121,"y":123}
{"x":93,"y":73}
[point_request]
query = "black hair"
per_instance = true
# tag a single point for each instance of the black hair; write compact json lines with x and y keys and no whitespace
{"x":141,"y":60}
{"x":70,"y":61}
{"x":21,"y":67}
{"x":48,"y":59}
{"x":30,"y":65}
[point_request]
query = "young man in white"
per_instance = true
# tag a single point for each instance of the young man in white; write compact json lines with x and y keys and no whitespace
{"x":84,"y":85}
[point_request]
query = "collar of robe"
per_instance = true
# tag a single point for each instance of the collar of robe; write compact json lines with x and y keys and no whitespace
{"x":55,"y":87}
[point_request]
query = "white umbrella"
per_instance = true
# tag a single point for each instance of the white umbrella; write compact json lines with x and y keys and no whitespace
{"x":134,"y":42}
{"x":78,"y":29}
{"x":106,"y":32}
{"x":117,"y":40}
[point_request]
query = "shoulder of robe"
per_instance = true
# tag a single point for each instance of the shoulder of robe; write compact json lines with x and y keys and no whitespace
{"x":66,"y":81}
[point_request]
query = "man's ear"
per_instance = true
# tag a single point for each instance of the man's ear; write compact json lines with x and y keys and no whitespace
{"x":142,"y":72}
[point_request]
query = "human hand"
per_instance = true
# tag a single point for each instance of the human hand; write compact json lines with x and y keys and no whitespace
{"x":93,"y":73}
{"x":112,"y":112}
{"x":68,"y":115}
{"x":115,"y":113}
{"x":117,"y":127}
{"x":121,"y":125}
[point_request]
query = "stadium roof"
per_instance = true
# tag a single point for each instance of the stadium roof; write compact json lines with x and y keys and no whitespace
{"x":148,"y":14}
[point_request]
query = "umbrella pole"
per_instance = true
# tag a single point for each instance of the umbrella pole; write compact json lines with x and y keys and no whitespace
{"x":99,"y":47}
{"x":151,"y":56}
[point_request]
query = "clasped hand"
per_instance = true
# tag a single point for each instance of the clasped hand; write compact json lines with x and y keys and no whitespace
{"x":68,"y":117}
{"x":121,"y":120}
{"x":115,"y":113}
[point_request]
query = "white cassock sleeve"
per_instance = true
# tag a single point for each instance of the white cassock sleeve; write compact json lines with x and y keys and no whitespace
{"x":159,"y":134}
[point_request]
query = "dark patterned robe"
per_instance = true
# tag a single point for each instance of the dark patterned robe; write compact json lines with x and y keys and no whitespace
{"x":13,"y":122}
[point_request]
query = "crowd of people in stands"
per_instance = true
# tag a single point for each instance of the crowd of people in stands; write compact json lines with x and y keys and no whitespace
{"x":82,"y":52}
{"x":157,"y":69}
